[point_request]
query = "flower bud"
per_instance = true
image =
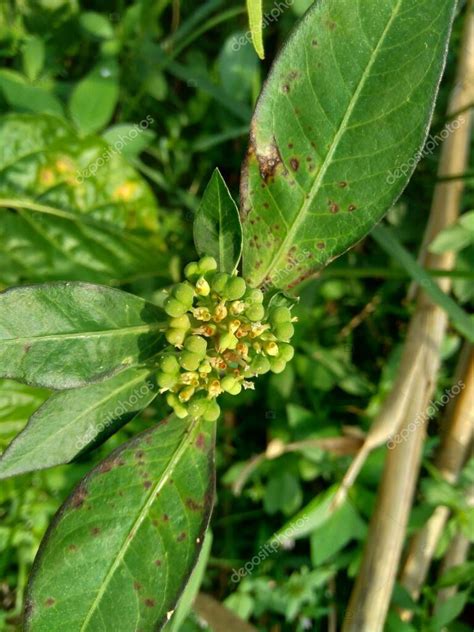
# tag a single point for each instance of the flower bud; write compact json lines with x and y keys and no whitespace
{"x":243,"y":349}
{"x":284,"y":332}
{"x":186,"y":394}
{"x":220,"y":312}
{"x":271,"y":348}
{"x":235,"y":288}
{"x":201,"y":313}
{"x":234,"y":325}
{"x":237,"y":307}
{"x":202,"y":287}
{"x":255,"y":312}
{"x":184,"y":293}
{"x":174,"y":307}
{"x":189,"y":360}
{"x":191,"y":378}
{"x":196,"y":344}
{"x":214,"y":388}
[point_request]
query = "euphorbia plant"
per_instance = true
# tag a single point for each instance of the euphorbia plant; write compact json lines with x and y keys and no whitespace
{"x":348,"y":102}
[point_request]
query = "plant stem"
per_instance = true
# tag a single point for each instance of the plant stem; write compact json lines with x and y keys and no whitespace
{"x":372,"y":592}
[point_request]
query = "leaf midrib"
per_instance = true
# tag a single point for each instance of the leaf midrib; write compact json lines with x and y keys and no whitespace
{"x":174,"y":460}
{"x":87,"y":334}
{"x":300,"y":217}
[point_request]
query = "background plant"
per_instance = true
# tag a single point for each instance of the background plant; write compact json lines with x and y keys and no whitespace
{"x":294,"y":400}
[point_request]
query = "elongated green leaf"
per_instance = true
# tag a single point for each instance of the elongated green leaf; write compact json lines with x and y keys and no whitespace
{"x":73,"y":420}
{"x":78,"y":210}
{"x":95,"y":97}
{"x":458,"y":317}
{"x":217,"y":229}
{"x":120,"y":550}
{"x":17,"y":403}
{"x":255,"y":11}
{"x":64,"y":335}
{"x":345,"y":110}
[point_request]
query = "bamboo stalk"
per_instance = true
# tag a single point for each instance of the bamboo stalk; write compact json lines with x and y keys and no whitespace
{"x":453,"y":450}
{"x":372,"y":592}
{"x":220,"y":618}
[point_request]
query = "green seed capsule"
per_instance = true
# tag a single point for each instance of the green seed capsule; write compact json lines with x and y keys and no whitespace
{"x":166,"y":380}
{"x":277,"y":365}
{"x":219,"y":282}
{"x":231,"y":385}
{"x":280,"y":315}
{"x":189,"y":360}
{"x":179,"y":410}
{"x":182,"y":322}
{"x":228,"y":341}
{"x":169,"y":364}
{"x":286,"y":352}
{"x":284,"y":332}
{"x":255,"y":312}
{"x":191,"y":271}
{"x":235,"y":288}
{"x":254,"y":295}
{"x":207,"y":264}
{"x":184,"y":293}
{"x":212,"y":412}
{"x":196,"y":344}
{"x":175,"y":336}
{"x":198,"y":406}
{"x":260,"y":365}
{"x":174,"y":308}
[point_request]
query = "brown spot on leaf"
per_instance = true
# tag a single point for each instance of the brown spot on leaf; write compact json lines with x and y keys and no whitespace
{"x":181,"y":536}
{"x":137,"y":586}
{"x":26,"y":347}
{"x":314,"y":42}
{"x":72,"y":548}
{"x":200,"y":441}
{"x":320,"y":245}
{"x":343,"y":184}
{"x":49,"y":602}
{"x":150,"y":603}
{"x":295,"y":164}
{"x":95,"y":531}
{"x":165,"y":518}
{"x":285,"y":88}
{"x":78,"y":498}
{"x":147,"y":484}
{"x":333,"y":207}
{"x":157,"y":562}
{"x":352,"y":208}
{"x":193,"y":505}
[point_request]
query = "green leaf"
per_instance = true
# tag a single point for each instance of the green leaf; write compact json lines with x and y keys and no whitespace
{"x":347,"y":104}
{"x":96,"y":24}
{"x":255,"y":11}
{"x":217,"y":229}
{"x":342,"y":527}
{"x":124,"y":544}
{"x":17,"y":403}
{"x":448,"y":611}
{"x":74,"y":420}
{"x":131,"y":139}
{"x":65,"y":335}
{"x":458,"y":317}
{"x":456,"y":575}
{"x":23,"y":96}
{"x":88,"y":195}
{"x":33,"y":54}
{"x":95,"y":97}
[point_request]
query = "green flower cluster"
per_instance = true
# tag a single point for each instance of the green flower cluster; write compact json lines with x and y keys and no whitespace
{"x":220,"y":336}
